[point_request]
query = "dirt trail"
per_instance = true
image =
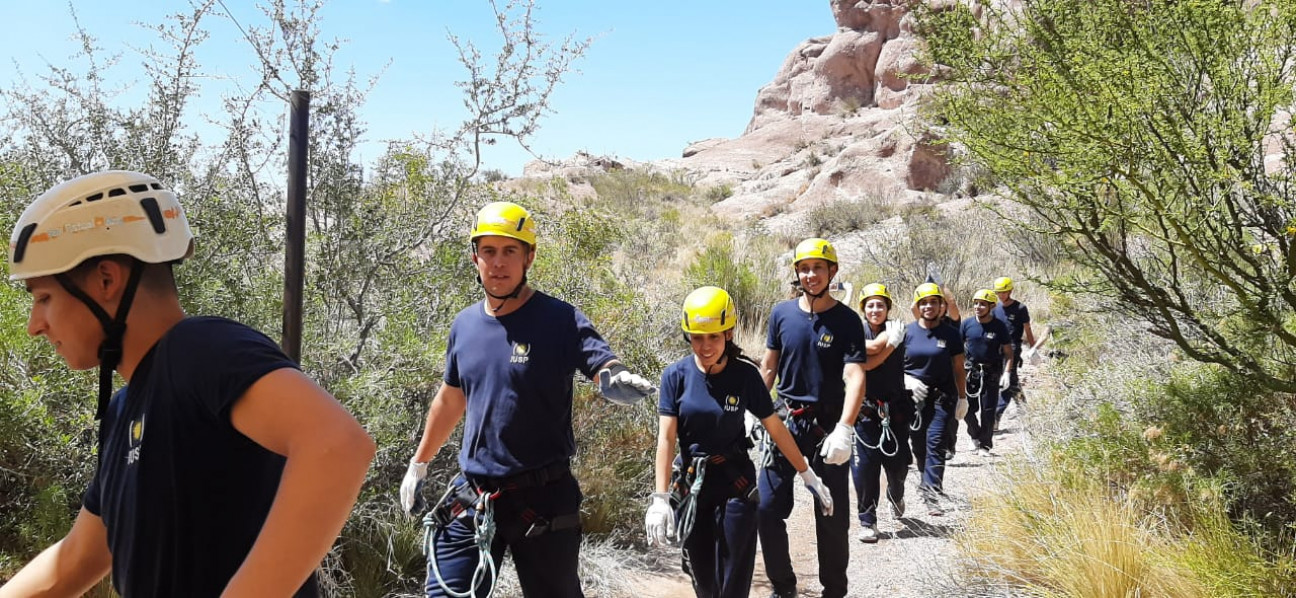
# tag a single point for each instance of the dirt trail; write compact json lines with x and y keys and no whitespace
{"x":915,"y":555}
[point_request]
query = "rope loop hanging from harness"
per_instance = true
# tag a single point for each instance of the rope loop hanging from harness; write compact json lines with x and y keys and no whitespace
{"x":483,"y":514}
{"x":884,"y":409}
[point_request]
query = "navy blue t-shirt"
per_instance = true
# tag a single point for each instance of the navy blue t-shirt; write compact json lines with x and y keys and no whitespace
{"x":887,"y":379}
{"x":984,"y":342}
{"x":1016,"y":316}
{"x":813,"y":351}
{"x":710,"y":408}
{"x":928,"y":355}
{"x":516,"y":374}
{"x":182,"y":493}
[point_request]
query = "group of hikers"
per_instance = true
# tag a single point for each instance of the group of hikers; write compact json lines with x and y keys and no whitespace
{"x":223,"y":470}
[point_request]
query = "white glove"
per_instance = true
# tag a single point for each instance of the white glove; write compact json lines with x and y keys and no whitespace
{"x":621,"y":386}
{"x":896,"y":333}
{"x":1030,"y":355}
{"x":1005,"y":379}
{"x":837,"y":446}
{"x":916,"y":387}
{"x":409,"y":489}
{"x":659,"y":522}
{"x":819,"y":490}
{"x":960,"y":410}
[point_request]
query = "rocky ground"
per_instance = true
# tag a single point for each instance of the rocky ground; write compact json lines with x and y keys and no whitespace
{"x":915,"y":556}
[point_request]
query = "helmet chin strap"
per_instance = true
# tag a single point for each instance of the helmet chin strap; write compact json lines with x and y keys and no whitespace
{"x":110,"y":350}
{"x":810,"y":297}
{"x":502,"y":298}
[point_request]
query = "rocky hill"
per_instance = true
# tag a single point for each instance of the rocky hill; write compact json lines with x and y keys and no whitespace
{"x":839,"y":122}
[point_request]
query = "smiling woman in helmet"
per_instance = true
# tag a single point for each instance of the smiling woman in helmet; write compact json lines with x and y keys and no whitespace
{"x":815,"y":347}
{"x":212,"y":409}
{"x":882,"y":430}
{"x":510,"y":361}
{"x":703,"y":400}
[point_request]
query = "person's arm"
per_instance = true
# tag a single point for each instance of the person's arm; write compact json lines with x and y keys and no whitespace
{"x":1028,"y":335}
{"x":769,"y":367}
{"x":667,"y":430}
{"x":1008,"y":357}
{"x":70,"y":567}
{"x":877,"y":359}
{"x":953,"y":311}
{"x":960,"y":380}
{"x":875,"y":346}
{"x":448,"y":407}
{"x":327,"y":454}
{"x":855,"y":381}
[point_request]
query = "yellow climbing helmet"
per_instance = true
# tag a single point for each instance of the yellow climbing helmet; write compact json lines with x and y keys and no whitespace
{"x":811,"y":249}
{"x":504,"y":219}
{"x":927,"y":289}
{"x":708,"y":310}
{"x":1003,"y":285}
{"x":876,"y":289}
{"x":986,"y":295}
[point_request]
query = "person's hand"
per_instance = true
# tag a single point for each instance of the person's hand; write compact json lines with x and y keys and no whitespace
{"x":960,"y":410}
{"x":409,"y":490}
{"x":621,"y":386}
{"x":819,"y":490}
{"x":895,"y":332}
{"x":917,"y":388}
{"x":837,"y":447}
{"x":1030,"y":355}
{"x":659,"y":522}
{"x":1005,"y":379}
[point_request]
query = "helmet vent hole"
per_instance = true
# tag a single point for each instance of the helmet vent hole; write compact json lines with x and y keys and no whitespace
{"x":140,"y":188}
{"x":95,"y":197}
{"x":20,"y":249}
{"x":157,"y":186}
{"x":116,"y":192}
{"x":150,"y":206}
{"x":75,"y":203}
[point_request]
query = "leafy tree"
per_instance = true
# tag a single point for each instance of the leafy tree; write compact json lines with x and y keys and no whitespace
{"x":1135,"y":133}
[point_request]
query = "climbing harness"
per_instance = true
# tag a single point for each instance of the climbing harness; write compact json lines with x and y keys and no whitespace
{"x":467,"y":502}
{"x":790,"y":412}
{"x":477,"y":499}
{"x":687,"y":476}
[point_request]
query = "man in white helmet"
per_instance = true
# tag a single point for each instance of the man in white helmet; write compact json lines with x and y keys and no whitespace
{"x":223,"y":470}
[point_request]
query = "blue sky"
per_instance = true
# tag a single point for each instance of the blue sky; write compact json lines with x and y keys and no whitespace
{"x":659,"y":74}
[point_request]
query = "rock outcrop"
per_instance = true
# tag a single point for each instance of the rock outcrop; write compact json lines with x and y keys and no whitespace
{"x":837,"y":122}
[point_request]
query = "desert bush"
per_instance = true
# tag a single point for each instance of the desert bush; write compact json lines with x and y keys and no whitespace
{"x":844,"y":216}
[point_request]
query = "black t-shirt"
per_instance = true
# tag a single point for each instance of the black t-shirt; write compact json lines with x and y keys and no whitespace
{"x":183,"y":494}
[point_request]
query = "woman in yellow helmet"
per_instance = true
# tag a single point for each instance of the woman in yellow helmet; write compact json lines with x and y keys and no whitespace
{"x":703,"y":399}
{"x":882,"y":430}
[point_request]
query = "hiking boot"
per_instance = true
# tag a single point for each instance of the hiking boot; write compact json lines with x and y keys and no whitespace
{"x":897,"y":508}
{"x":949,"y":454}
{"x":983,"y":452}
{"x":869,"y":535}
{"x":778,"y":594}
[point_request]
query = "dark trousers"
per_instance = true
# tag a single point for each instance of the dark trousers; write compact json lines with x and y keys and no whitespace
{"x":942,"y":417}
{"x":983,"y":406}
{"x":1014,"y":385}
{"x":546,"y":564}
{"x":778,"y":481}
{"x":720,"y":551}
{"x":868,"y":463}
